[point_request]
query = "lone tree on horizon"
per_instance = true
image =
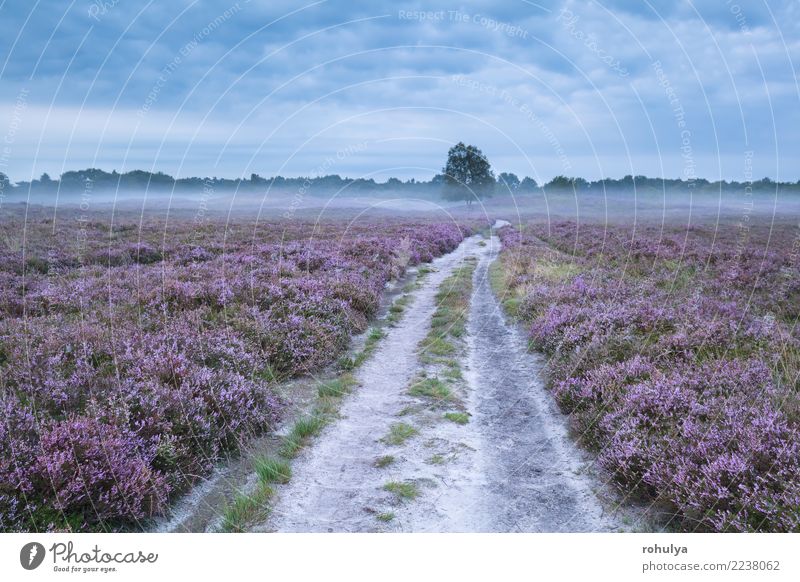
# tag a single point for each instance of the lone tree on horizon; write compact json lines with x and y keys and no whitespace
{"x":467,"y":175}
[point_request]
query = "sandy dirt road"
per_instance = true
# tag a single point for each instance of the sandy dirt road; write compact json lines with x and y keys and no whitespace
{"x":512,"y":467}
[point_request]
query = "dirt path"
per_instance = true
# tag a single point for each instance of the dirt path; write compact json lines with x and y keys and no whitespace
{"x":335,"y":485}
{"x":511,"y":467}
{"x":536,"y":478}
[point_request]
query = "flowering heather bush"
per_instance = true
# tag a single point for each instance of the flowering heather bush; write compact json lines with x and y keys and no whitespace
{"x":676,"y":355}
{"x":131,"y":360}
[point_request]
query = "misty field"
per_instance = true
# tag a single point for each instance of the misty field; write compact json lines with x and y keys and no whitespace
{"x":676,"y":354}
{"x":133,"y":356}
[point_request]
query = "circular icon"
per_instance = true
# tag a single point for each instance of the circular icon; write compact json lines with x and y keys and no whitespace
{"x":31,"y":555}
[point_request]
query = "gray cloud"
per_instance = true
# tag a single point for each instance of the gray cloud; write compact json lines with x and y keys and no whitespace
{"x":543,"y":87}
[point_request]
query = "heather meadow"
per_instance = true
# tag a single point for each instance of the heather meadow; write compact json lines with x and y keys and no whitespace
{"x":676,"y":355}
{"x":135,"y":354}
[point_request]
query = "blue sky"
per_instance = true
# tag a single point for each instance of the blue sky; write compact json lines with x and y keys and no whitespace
{"x":378,"y":89}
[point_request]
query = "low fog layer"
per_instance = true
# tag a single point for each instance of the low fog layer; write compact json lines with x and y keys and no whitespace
{"x":611,"y":206}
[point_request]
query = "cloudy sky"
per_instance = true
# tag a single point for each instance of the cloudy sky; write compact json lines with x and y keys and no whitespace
{"x":383,"y":88}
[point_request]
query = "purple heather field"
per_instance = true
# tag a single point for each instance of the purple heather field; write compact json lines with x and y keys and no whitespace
{"x":675,"y":352}
{"x":134,"y":356}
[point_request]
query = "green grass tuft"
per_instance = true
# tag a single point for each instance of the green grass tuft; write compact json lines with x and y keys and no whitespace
{"x":244,"y":509}
{"x":404,"y":490}
{"x":408,"y":410}
{"x":308,"y":426}
{"x":271,"y":470}
{"x":303,"y":429}
{"x":337,"y":387}
{"x":499,"y":276}
{"x":431,"y":388}
{"x":449,"y":319}
{"x":457,"y":417}
{"x":346,"y":363}
{"x":398,"y":308}
{"x":375,"y":335}
{"x":399,"y":432}
{"x":435,"y":345}
{"x":384,"y":461}
{"x":453,"y":370}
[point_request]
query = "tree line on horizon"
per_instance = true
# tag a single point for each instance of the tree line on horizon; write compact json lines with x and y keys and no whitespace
{"x":467,"y":175}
